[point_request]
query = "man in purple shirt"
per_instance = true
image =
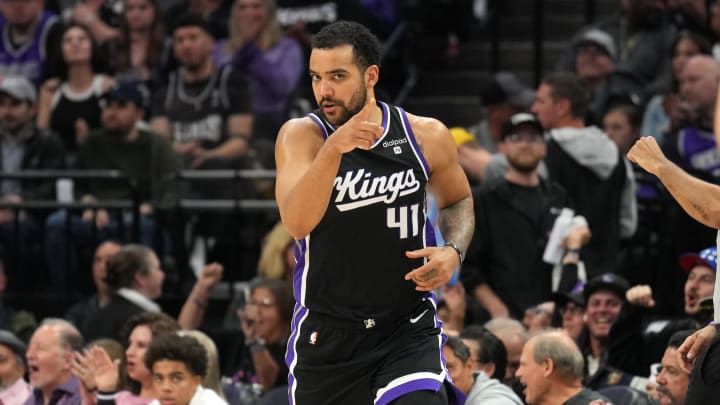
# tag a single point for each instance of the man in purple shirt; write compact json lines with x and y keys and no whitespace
{"x":50,"y":357}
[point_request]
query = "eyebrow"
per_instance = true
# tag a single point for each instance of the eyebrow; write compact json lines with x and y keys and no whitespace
{"x":338,"y":70}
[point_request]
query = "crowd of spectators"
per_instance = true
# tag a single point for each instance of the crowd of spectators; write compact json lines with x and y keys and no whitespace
{"x":570,"y":235}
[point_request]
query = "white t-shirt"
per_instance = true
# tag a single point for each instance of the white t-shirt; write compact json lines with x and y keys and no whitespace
{"x":203,"y":396}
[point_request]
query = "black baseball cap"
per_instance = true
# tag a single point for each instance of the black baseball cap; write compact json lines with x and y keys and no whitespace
{"x":608,"y":281}
{"x":511,"y":125}
{"x":561,"y":298}
{"x":129,"y":91}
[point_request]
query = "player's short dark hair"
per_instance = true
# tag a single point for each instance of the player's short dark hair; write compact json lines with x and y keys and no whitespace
{"x":568,"y":86}
{"x":184,"y":349}
{"x":461,"y":351}
{"x":677,"y":338}
{"x":491,"y":349}
{"x":366,"y":47}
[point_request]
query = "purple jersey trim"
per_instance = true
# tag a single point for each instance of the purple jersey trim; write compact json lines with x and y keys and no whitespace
{"x":408,"y":387}
{"x":300,"y":314}
{"x":319,"y":123}
{"x":413,"y":142}
{"x":302,"y":267}
{"x":385,"y":120}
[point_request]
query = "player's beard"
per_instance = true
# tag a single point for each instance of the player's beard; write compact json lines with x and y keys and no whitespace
{"x":357,"y":102}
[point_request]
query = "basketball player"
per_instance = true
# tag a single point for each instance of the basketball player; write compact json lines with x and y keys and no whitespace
{"x":351,"y":180}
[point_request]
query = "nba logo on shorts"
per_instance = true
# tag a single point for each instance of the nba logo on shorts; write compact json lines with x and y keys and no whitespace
{"x":313,"y":338}
{"x":397,"y":150}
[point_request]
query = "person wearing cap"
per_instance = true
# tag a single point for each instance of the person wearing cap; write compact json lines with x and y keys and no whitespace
{"x":595,"y":66}
{"x":13,"y":387}
{"x":501,"y":97}
{"x":30,"y":35}
{"x":642,"y":36}
{"x":504,"y":269}
{"x":205,"y":110}
{"x":638,"y":337}
{"x":24,"y":146}
{"x":570,"y":305}
{"x":604,"y":297}
{"x":595,"y":57}
{"x":119,"y":144}
{"x":583,"y":160}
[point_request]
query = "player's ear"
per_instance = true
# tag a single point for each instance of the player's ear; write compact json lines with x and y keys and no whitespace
{"x":372,"y":75}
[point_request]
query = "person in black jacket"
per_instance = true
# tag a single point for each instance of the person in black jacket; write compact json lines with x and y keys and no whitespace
{"x":134,"y":275}
{"x":23,"y":146}
{"x":504,"y":268}
{"x":588,"y":164}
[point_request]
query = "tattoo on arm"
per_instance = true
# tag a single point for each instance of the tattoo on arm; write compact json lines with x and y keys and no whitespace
{"x":701,"y":210}
{"x":457,"y":223}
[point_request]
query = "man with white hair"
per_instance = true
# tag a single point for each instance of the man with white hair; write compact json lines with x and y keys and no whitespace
{"x":50,"y":358}
{"x":551,"y":368}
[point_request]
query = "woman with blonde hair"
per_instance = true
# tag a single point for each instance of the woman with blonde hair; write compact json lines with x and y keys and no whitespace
{"x":272,"y":62}
{"x":277,"y":257}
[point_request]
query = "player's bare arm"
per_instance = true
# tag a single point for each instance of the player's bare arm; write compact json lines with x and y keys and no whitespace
{"x":698,"y":198}
{"x":451,"y":190}
{"x":307,"y":166}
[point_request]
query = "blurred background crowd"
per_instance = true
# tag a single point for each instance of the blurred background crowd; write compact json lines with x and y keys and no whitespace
{"x":136,"y":187}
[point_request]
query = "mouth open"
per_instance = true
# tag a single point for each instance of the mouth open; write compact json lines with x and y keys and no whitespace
{"x":329,"y":108}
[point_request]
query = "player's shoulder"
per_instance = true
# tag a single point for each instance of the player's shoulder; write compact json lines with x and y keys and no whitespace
{"x":298,"y":128}
{"x":427,"y":129}
{"x":423,"y":124}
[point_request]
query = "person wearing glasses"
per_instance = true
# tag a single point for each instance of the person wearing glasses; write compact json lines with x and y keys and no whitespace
{"x":514,"y":215}
{"x":265,"y":322}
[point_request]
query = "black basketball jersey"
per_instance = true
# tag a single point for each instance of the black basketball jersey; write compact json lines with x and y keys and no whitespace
{"x":199,"y":111}
{"x":352,"y":265}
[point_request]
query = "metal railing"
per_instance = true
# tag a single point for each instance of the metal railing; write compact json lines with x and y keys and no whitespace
{"x":185,"y":207}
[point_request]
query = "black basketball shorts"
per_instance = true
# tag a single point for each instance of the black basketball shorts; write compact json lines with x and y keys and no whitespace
{"x":335,"y":361}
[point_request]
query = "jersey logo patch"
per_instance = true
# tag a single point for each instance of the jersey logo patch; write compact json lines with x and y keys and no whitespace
{"x":360,"y":189}
{"x":417,"y":318}
{"x":313,"y":338}
{"x":397,"y":150}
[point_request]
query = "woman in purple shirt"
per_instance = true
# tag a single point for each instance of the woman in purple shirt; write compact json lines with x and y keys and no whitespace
{"x":272,"y":62}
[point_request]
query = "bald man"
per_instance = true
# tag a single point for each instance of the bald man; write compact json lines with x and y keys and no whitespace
{"x":551,"y":368}
{"x":698,"y":88}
